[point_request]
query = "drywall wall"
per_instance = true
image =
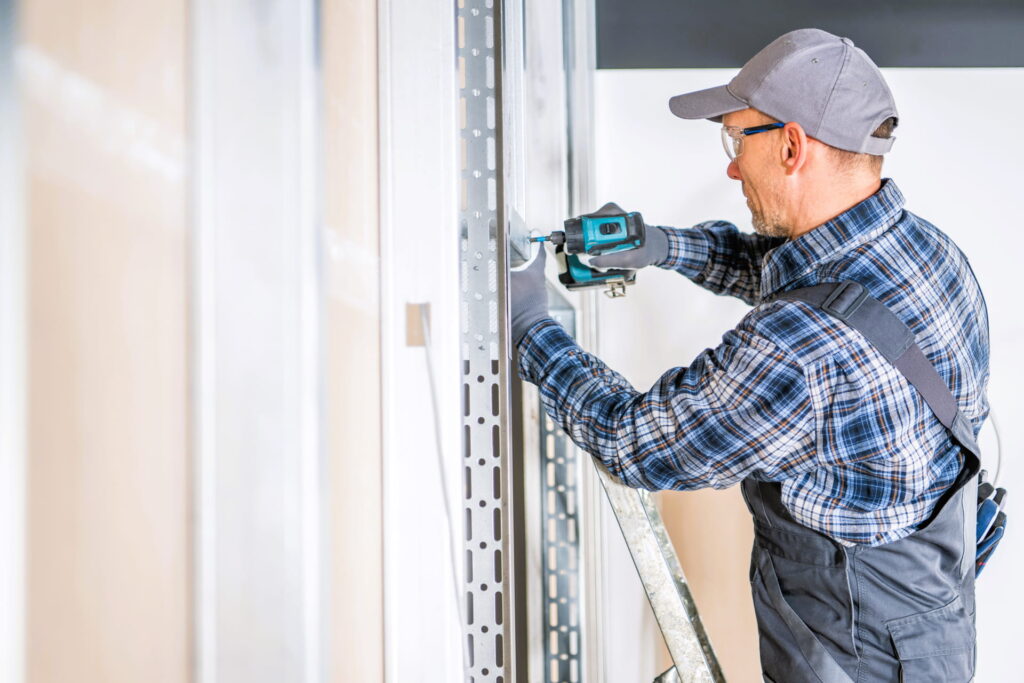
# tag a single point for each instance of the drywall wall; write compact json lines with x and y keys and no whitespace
{"x":103,"y":88}
{"x":351,"y":259}
{"x":420,"y":265}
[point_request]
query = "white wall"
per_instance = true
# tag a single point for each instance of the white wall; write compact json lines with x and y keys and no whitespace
{"x":956,"y":161}
{"x":12,"y":362}
{"x":419,"y":261}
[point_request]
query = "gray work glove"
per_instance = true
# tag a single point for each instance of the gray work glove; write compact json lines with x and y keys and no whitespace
{"x":653,"y":253}
{"x":528,"y":295}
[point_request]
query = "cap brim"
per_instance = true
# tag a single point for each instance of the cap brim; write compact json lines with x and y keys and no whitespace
{"x":706,"y":104}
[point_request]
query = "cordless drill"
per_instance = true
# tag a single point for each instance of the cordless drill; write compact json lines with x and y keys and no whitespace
{"x":595,"y":234}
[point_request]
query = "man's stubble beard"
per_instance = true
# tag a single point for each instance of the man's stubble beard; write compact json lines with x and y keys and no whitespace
{"x":767,"y":223}
{"x":769,"y":227}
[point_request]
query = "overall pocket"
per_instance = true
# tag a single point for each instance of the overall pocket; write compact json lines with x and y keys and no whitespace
{"x":788,"y":645}
{"x":937,"y":645}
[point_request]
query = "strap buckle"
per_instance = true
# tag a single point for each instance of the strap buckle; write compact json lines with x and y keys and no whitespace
{"x":845,"y":299}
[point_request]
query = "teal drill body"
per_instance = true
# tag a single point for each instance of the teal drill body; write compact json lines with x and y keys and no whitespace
{"x":595,"y":235}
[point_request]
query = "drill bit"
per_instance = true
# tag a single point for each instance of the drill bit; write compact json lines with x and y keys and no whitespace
{"x":556,"y":238}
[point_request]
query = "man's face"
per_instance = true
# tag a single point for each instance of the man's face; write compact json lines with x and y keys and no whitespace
{"x":759,"y":168}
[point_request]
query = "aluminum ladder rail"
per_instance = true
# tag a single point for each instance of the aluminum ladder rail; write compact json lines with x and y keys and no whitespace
{"x":653,"y":554}
{"x":664,"y":582}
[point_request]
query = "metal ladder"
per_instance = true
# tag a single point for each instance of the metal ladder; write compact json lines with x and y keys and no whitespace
{"x":648,"y":542}
{"x":664,"y":582}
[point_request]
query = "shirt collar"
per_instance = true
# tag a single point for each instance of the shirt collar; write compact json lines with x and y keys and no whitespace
{"x":855,"y":226}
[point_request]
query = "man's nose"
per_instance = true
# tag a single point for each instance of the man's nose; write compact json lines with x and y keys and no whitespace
{"x":733,"y":171}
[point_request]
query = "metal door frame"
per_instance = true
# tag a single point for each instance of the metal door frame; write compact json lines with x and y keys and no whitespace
{"x":547,"y":77}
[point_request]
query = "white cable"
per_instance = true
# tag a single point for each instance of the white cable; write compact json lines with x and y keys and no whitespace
{"x":435,"y":405}
{"x":999,"y":445}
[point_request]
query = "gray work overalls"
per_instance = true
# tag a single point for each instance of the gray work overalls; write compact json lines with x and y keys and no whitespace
{"x":901,"y":611}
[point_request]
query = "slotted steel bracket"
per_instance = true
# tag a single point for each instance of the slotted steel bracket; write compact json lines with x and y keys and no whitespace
{"x":484,"y":354}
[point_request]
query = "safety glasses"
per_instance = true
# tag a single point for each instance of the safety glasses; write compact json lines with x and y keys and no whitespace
{"x":732,"y":136}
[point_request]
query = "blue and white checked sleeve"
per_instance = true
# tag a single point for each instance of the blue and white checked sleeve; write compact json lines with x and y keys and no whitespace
{"x":719,"y":257}
{"x":742,"y":408}
{"x":793,"y":394}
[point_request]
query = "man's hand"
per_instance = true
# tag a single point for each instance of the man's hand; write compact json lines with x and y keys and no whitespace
{"x":528,"y":295}
{"x":653,"y":253}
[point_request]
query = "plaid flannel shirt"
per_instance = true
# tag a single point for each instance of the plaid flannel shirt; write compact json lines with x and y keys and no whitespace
{"x":792,"y":394}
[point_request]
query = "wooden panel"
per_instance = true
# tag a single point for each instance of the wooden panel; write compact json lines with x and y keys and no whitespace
{"x":108,"y":509}
{"x":352,"y":333}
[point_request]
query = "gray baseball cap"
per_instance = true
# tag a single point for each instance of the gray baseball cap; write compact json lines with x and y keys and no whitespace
{"x":821,"y":81}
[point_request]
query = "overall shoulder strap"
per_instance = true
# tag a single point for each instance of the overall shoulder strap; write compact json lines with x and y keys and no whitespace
{"x":850,"y":302}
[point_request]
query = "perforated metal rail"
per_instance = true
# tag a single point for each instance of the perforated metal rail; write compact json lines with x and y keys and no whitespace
{"x":560,"y":559}
{"x":484,"y":364}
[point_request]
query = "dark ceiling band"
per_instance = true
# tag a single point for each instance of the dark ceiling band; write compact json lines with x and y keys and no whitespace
{"x":634,"y":34}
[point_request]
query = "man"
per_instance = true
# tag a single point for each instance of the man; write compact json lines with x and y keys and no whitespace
{"x":862,"y":568}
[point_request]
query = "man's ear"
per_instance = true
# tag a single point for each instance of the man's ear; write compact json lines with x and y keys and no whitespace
{"x":794,"y":150}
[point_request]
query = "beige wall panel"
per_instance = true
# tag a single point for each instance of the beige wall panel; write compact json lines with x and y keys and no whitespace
{"x":356,"y":636}
{"x":108,"y":501}
{"x":712,"y":532}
